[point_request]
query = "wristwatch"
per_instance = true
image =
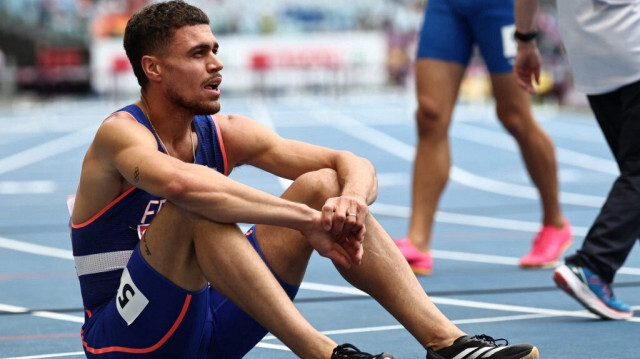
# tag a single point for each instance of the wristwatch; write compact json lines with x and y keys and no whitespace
{"x":525,"y":37}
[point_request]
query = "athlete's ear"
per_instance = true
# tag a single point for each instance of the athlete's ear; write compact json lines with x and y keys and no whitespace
{"x":151,"y":68}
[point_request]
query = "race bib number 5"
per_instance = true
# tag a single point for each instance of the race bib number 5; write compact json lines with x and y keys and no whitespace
{"x":130,"y":300}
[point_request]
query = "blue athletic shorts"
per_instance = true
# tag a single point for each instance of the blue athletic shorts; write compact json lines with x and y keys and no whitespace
{"x":451,"y":28}
{"x":151,"y":317}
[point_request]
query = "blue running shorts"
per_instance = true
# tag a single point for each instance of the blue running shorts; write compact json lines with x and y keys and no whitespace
{"x":151,"y":317}
{"x":451,"y":28}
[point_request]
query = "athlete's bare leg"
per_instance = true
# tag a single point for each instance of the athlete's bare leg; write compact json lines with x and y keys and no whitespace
{"x":383,"y":272}
{"x":438,"y":83}
{"x":190,"y":250}
{"x":513,"y":106}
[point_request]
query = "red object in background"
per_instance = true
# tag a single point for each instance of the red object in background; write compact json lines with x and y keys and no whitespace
{"x":260,"y":61}
{"x":56,"y":70}
{"x":59,"y":57}
{"x":294,"y":58}
{"x":120,"y":65}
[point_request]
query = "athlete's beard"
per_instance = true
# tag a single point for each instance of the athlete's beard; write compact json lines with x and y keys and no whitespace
{"x":196,"y":107}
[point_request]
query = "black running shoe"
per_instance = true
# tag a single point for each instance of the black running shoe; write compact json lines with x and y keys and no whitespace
{"x":348,"y":351}
{"x":484,"y":347}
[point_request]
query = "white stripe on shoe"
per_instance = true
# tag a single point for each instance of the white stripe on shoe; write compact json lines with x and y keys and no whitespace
{"x":464,"y":354}
{"x":479,"y":353}
{"x":493,"y":351}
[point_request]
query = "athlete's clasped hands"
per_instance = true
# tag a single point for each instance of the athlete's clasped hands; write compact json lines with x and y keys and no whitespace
{"x":338,"y":231}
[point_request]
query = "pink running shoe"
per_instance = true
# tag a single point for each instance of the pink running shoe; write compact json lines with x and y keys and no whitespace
{"x":421,"y":263}
{"x":548,"y":246}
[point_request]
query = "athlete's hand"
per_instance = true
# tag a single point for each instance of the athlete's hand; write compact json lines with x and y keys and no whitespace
{"x":342,"y":225}
{"x":344,"y":216}
{"x":526,"y":66}
{"x":342,"y":250}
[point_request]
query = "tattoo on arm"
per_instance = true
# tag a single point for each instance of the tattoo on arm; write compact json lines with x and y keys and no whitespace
{"x":146,"y":247}
{"x":136,"y":174}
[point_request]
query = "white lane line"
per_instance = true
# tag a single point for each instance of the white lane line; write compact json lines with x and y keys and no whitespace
{"x":27,"y":187}
{"x":38,"y":249}
{"x":386,"y":210}
{"x":41,"y":313}
{"x":465,"y":303}
{"x":382,"y":328}
{"x":47,"y":150}
{"x":47,"y":251}
{"x":503,"y":141}
{"x":388,"y":179}
{"x":469,"y":219}
{"x":58,"y":316}
{"x":404,"y":151}
{"x":486,"y":184}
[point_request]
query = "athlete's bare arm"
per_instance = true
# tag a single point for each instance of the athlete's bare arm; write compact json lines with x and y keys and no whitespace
{"x":124,"y":153}
{"x":249,"y":142}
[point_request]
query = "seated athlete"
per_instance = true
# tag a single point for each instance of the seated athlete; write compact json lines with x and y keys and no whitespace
{"x":164,"y":269}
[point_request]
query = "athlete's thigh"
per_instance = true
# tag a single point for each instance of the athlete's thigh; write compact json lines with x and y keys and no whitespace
{"x":149,"y":317}
{"x":437,"y":86}
{"x":445,"y":35}
{"x":234,"y":332}
{"x":512,"y":101}
{"x":493,"y":27}
{"x":168,"y":246}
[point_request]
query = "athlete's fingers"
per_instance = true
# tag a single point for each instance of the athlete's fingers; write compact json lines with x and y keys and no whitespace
{"x":340,"y":256}
{"x":327,"y":217}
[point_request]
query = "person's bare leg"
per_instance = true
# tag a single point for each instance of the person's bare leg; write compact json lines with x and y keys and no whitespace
{"x":285,"y":249}
{"x":190,"y":250}
{"x":437,"y":88}
{"x":513,"y":106}
{"x":383,"y":272}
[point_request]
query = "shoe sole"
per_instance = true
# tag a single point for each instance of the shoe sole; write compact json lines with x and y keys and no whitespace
{"x":547,"y":265}
{"x":420,"y":270}
{"x":551,"y":264}
{"x":533,"y":355}
{"x":567,"y":281}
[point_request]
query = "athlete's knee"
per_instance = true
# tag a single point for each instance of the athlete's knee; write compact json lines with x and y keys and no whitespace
{"x":171,"y":216}
{"x":515,"y":122}
{"x":170,"y":211}
{"x":517,"y":119}
{"x":314,"y":188}
{"x":430,"y":118}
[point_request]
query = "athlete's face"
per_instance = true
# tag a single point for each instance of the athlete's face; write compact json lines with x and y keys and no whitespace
{"x":192,"y":70}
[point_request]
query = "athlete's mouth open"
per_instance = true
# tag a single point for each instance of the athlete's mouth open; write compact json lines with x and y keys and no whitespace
{"x":213,"y":84}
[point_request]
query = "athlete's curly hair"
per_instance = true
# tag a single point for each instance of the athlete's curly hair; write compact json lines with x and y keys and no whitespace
{"x":149,"y":30}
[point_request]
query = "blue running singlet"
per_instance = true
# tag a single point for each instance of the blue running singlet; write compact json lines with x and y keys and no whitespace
{"x":132,"y":311}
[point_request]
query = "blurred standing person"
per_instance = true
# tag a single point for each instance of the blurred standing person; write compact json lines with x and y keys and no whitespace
{"x":449,"y":32}
{"x":602,"y":39}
